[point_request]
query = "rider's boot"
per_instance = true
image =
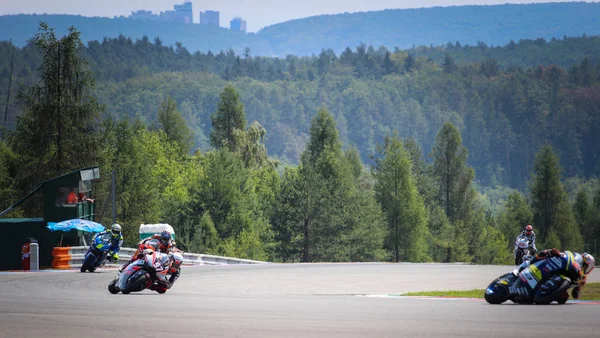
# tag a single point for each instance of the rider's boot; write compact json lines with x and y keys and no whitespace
{"x":123,"y":266}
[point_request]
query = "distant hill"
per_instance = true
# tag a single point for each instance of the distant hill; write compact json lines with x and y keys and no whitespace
{"x":494,"y":25}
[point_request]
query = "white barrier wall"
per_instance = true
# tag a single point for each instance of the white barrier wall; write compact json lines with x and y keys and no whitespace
{"x":73,"y":257}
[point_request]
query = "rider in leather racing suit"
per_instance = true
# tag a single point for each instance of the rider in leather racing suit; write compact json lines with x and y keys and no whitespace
{"x":165,"y":245}
{"x":528,"y":234}
{"x":116,"y":240}
{"x":174,"y":266}
{"x":582,"y":267}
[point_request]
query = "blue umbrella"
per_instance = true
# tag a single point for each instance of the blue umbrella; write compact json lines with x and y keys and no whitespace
{"x":77,"y":224}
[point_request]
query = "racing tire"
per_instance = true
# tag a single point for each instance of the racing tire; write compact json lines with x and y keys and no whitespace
{"x":519,"y":258}
{"x":112,"y":287}
{"x":563,"y":299}
{"x":87,"y":264}
{"x":497,"y":292}
{"x":554,"y":293}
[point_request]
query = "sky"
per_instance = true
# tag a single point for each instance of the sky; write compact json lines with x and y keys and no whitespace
{"x":257,"y":13}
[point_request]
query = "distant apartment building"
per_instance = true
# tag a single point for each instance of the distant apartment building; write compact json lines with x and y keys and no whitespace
{"x":209,"y":18}
{"x":237,"y":24}
{"x":180,"y":14}
{"x":143,"y":15}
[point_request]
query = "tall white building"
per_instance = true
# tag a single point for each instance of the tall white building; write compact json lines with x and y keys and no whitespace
{"x":210,"y":18}
{"x":237,"y":24}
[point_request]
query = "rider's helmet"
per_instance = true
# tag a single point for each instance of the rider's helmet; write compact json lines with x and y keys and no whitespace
{"x":165,"y":238}
{"x":528,"y":230}
{"x":115,"y":229}
{"x":587,"y":263}
{"x":176,"y":259}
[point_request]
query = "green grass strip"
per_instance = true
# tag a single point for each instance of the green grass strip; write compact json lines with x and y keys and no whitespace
{"x":590,"y":292}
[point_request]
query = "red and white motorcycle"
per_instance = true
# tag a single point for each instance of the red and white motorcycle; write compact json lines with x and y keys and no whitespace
{"x":146,"y":272}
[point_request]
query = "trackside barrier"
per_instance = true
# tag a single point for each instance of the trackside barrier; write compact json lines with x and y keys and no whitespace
{"x":72,"y":257}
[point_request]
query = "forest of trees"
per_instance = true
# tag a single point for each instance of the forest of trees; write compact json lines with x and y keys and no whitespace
{"x":381,"y":156}
{"x":506,"y":113}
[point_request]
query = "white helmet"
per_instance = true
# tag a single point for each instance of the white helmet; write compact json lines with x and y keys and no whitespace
{"x":588,"y":263}
{"x":115,"y":229}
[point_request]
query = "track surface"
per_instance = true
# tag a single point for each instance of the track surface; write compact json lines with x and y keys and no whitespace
{"x":273,"y":300}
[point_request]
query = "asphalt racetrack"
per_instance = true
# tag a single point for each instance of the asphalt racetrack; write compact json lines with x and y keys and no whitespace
{"x":282,"y":300}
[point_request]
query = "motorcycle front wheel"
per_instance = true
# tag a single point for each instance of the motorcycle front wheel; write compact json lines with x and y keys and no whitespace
{"x":88,"y":263}
{"x":497,"y":292}
{"x":136,"y":285}
{"x":519,"y":258}
{"x":112,"y":287}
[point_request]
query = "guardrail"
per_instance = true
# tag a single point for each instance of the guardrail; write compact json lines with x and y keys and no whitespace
{"x":72,"y":257}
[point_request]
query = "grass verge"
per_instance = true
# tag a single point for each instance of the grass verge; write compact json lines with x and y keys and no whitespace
{"x":590,"y":292}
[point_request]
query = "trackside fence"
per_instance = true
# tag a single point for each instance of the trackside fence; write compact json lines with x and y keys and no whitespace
{"x":72,"y":257}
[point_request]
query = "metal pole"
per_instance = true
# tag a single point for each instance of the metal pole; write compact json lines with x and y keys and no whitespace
{"x":114,"y":196}
{"x":34,"y":256}
{"x":12,"y":63}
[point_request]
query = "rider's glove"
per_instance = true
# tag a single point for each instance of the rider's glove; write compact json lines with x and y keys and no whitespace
{"x":554,"y":252}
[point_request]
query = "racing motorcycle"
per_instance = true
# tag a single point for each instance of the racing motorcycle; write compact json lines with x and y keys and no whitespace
{"x":144,"y":273}
{"x":542,"y":282}
{"x":523,"y":250}
{"x":97,"y":253}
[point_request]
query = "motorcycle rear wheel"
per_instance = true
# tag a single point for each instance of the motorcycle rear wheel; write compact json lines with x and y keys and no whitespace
{"x":555,"y":294}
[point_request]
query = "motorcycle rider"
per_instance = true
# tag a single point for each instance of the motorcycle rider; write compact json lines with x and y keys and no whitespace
{"x":175,"y":260}
{"x":585,"y":265}
{"x":116,"y":240}
{"x":165,"y":245}
{"x":528,"y":234}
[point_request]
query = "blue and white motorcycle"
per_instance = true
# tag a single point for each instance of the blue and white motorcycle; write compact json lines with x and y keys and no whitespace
{"x":97,"y":254}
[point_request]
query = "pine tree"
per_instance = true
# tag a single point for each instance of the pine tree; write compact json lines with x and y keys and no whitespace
{"x":229,"y":117}
{"x":174,"y":125}
{"x":584,"y":215}
{"x":453,"y":176}
{"x":400,"y":201}
{"x":456,"y":194}
{"x":449,"y":64}
{"x":552,"y":212}
{"x":58,"y":129}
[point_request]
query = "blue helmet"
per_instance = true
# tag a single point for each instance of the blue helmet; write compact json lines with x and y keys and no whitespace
{"x":165,"y":237}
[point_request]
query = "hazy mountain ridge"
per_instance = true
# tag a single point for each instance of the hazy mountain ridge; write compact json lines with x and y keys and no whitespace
{"x":402,"y":28}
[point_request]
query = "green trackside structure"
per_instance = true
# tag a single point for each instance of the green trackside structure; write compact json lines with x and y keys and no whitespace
{"x":58,"y":205}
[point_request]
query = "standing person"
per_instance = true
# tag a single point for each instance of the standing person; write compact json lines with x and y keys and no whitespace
{"x":528,"y":234}
{"x":25,"y":254}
